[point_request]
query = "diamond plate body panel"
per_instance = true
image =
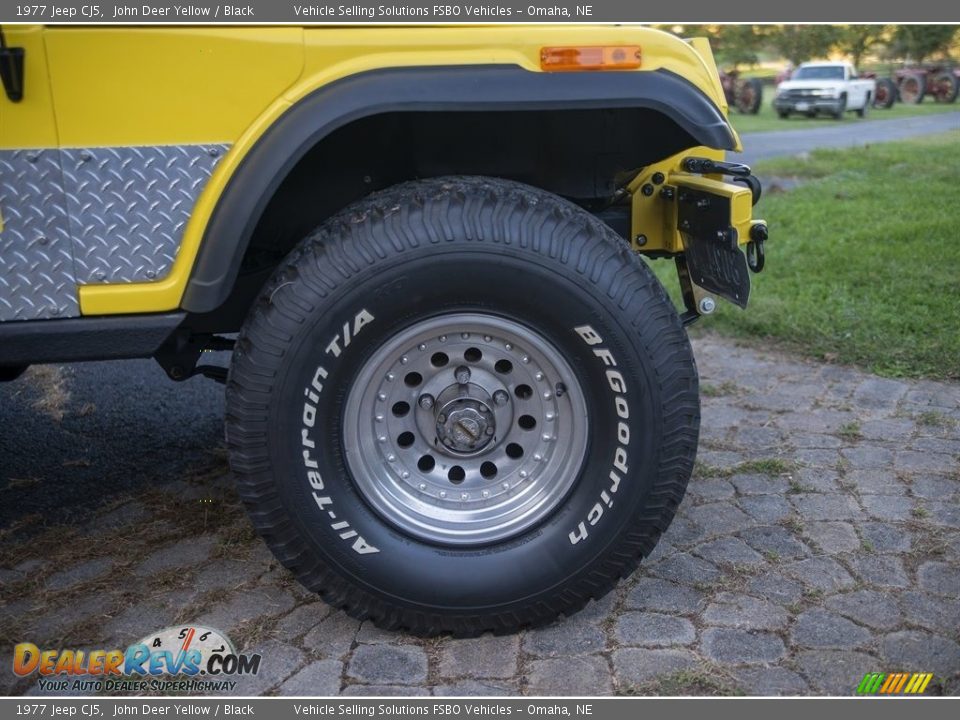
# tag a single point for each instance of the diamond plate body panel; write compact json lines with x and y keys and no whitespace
{"x":36,"y":260}
{"x":128,"y":207}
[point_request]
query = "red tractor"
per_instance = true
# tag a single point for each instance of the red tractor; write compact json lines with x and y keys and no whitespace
{"x":886,"y":93}
{"x":915,"y":83}
{"x":745,"y":94}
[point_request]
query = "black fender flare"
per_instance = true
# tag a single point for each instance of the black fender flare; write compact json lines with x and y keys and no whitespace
{"x":442,"y":88}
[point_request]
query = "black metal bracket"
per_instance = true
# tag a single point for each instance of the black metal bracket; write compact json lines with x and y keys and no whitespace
{"x":11,"y":69}
{"x":179,"y":356}
{"x":691,"y":315}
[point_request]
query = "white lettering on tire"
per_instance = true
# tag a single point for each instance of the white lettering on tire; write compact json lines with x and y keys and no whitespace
{"x":360,"y":319}
{"x":619,"y":467}
{"x":309,"y":418}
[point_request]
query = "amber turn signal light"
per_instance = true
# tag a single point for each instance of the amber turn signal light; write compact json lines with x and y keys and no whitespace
{"x":601,"y":57}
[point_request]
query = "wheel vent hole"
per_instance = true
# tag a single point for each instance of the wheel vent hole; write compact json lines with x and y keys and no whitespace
{"x":426,"y":463}
{"x":456,"y":475}
{"x":472,"y":355}
{"x":488,"y":470}
{"x":405,"y":439}
{"x":514,"y":451}
{"x":413,"y":379}
{"x":527,"y":422}
{"x":503,"y":367}
{"x":401,"y":408}
{"x":439,"y":359}
{"x":524,"y":392}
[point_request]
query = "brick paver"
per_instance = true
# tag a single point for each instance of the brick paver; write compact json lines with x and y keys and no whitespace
{"x":820,"y":540}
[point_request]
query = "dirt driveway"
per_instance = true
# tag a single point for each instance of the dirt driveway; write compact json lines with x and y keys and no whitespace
{"x":819,"y":540}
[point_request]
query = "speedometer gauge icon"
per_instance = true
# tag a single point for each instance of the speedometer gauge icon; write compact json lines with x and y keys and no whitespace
{"x":178,"y":640}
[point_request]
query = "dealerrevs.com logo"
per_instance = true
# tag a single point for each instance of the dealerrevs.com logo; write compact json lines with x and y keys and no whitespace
{"x":204,"y":659}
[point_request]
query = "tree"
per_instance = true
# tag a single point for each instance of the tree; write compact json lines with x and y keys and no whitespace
{"x":737,"y":45}
{"x":799,"y":43}
{"x":919,"y":42}
{"x":857,"y":40}
{"x":732,"y":45}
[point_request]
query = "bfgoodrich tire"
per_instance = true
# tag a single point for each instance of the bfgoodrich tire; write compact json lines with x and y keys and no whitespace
{"x":528,"y":323}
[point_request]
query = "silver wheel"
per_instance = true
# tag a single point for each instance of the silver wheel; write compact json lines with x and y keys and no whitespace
{"x":465,"y":428}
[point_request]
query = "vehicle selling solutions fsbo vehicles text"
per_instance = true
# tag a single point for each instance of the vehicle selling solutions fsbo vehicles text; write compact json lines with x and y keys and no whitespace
{"x":437,"y":11}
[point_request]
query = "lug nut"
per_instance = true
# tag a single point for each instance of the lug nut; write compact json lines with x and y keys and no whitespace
{"x":426,"y":401}
{"x":500,"y":397}
{"x":462,"y":374}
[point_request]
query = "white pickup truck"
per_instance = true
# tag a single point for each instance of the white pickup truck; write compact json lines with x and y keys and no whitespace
{"x":824,"y":87}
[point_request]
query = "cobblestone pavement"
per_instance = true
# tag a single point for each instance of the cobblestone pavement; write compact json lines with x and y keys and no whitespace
{"x":819,"y":540}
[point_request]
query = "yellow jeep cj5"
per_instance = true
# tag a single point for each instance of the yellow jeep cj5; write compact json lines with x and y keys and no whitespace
{"x":458,"y":400}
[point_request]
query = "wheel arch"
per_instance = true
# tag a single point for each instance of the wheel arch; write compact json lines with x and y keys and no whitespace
{"x":663,"y":111}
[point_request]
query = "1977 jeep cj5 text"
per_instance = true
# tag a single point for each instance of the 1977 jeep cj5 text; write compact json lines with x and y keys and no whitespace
{"x":458,"y":400}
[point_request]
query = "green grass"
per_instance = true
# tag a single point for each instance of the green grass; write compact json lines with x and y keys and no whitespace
{"x":932,"y":418}
{"x":863,"y":262}
{"x":704,"y":680}
{"x":724,"y":388}
{"x":767,"y":120}
{"x":850,"y":431}
{"x":766,"y":466}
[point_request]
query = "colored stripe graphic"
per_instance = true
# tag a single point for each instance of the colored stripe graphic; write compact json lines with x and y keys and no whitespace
{"x":869,"y":684}
{"x":894,"y":683}
{"x":900,"y":683}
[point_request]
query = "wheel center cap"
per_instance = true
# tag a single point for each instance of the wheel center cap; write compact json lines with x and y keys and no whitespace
{"x":465,"y":425}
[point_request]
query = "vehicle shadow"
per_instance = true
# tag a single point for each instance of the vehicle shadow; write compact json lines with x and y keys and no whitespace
{"x":76,"y":437}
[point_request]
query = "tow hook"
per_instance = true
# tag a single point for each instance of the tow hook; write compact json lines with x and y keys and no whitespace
{"x":755,"y":255}
{"x":738,"y":171}
{"x":706,"y":166}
